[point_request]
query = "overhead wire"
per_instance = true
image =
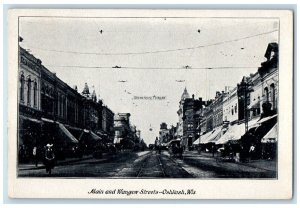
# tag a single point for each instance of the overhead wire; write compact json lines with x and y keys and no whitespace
{"x":157,"y":51}
{"x":167,"y":68}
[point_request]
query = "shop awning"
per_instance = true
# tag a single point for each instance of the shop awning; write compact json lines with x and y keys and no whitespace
{"x":233,"y":133}
{"x":253,"y":123}
{"x":73,"y":128}
{"x":209,"y":136}
{"x":89,"y":136}
{"x":64,"y":132}
{"x":31,"y":119}
{"x":95,"y":136}
{"x":266,"y":119}
{"x":101,"y":133}
{"x":197,"y":140}
{"x":203,"y":138}
{"x":214,"y":136}
{"x":47,"y":120}
{"x":271,"y":136}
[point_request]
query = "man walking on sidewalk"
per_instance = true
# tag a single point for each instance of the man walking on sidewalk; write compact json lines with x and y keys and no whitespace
{"x":252,"y":151}
{"x":35,"y":157}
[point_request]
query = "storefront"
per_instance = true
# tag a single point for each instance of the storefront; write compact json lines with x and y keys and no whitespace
{"x":29,"y":132}
{"x":29,"y":137}
{"x":89,"y":141}
{"x":269,"y":144}
{"x":64,"y":142}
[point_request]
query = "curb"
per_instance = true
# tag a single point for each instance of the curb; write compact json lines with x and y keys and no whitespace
{"x":253,"y":166}
{"x":244,"y":164}
{"x":57,"y":164}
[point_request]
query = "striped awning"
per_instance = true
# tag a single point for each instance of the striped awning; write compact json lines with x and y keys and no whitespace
{"x":31,"y":119}
{"x":266,"y":119}
{"x":271,"y":136}
{"x":66,"y":134}
{"x":233,"y":133}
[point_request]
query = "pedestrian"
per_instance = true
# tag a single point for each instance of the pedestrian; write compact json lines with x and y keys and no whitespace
{"x":35,"y":156}
{"x":252,"y":151}
{"x":49,"y":158}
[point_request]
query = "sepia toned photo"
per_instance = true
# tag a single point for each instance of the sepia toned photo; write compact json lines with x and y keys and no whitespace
{"x":156,"y":98}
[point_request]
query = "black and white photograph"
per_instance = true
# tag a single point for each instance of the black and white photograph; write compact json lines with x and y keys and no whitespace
{"x":148,"y":97}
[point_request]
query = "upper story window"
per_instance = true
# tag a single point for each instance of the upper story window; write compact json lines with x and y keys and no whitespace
{"x":267,"y":94}
{"x":35,"y":94}
{"x":22,"y":82}
{"x":272,"y":89}
{"x":29,"y":91}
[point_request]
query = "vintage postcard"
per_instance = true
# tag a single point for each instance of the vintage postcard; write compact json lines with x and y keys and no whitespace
{"x":150,"y":104}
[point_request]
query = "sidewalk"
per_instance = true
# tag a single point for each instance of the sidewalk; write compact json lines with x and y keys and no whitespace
{"x":268,"y":165}
{"x":105,"y":156}
{"x":31,"y":166}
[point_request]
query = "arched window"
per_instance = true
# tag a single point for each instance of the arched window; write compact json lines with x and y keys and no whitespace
{"x":62,"y":106}
{"x":235,"y":108}
{"x":272,"y":93}
{"x":29,"y":91}
{"x":267,"y":94}
{"x":58,"y":104}
{"x":22,"y":82}
{"x":35,"y":94}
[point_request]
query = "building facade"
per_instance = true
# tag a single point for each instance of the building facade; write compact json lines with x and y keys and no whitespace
{"x":29,"y":99}
{"x":217,"y":108}
{"x":49,"y":108}
{"x":269,"y":77}
{"x":230,"y":106}
{"x":184,"y":96}
{"x":108,"y":122}
{"x":92,"y":110}
{"x":256,"y":96}
{"x":190,"y":120}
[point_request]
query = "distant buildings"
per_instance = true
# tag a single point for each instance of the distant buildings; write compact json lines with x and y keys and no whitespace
{"x":164,"y":133}
{"x":126,"y":134}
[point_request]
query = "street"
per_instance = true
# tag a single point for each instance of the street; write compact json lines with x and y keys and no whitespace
{"x":151,"y":164}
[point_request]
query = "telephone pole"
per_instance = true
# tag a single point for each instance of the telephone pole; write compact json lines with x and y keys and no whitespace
{"x":244,"y":90}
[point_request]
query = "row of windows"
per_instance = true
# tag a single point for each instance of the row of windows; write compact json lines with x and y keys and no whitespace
{"x":31,"y":86}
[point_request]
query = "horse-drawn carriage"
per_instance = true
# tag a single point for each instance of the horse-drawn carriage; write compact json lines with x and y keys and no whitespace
{"x":175,"y":149}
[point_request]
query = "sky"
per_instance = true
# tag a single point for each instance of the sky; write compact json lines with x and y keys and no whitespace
{"x":152,"y":54}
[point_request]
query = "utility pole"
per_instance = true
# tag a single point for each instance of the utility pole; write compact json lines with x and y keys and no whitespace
{"x":199,"y":148}
{"x":244,"y":89}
